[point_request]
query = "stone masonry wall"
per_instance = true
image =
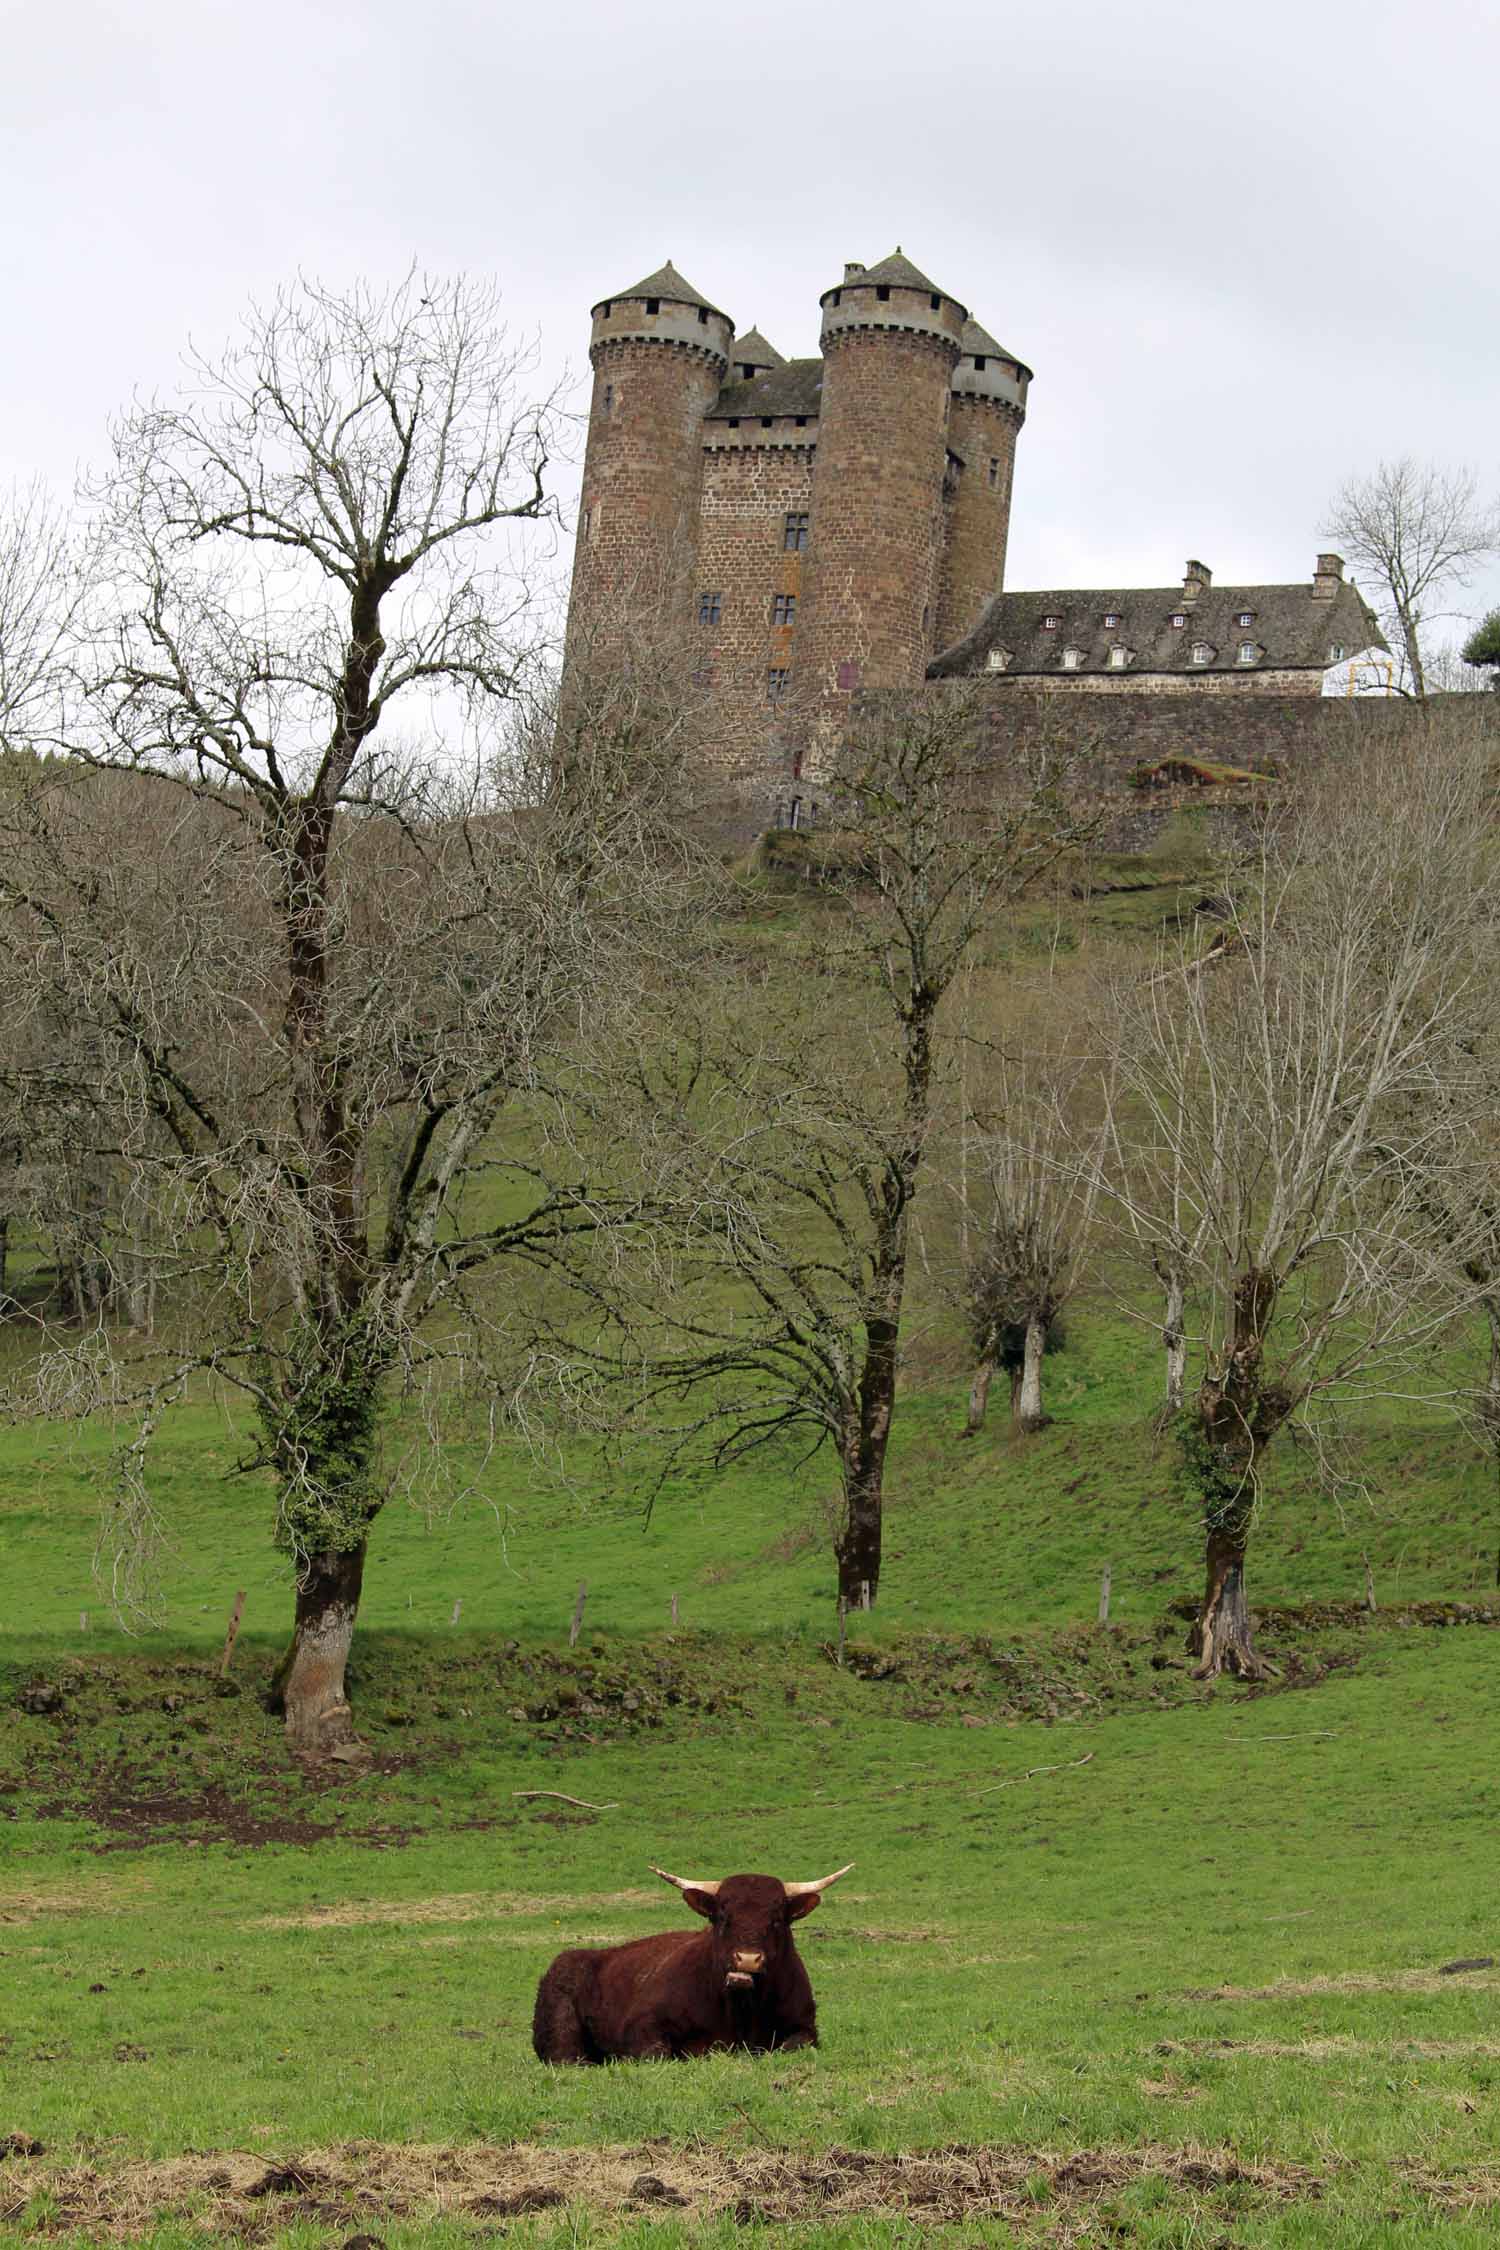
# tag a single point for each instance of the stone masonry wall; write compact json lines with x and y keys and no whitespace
{"x":872,"y":566}
{"x":982,"y":432}
{"x":638,"y":511}
{"x":747,"y":493}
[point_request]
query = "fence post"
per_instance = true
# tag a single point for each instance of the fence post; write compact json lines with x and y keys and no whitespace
{"x":233,"y":1633}
{"x":1104,"y":1585}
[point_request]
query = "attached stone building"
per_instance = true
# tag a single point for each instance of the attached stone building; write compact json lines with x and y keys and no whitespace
{"x":1196,"y":638}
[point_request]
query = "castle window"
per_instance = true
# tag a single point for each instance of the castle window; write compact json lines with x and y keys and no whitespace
{"x":783,"y":609}
{"x":882,"y":296}
{"x":794,"y":537}
{"x":653,"y":304}
{"x":797,"y":757}
{"x":994,"y":470}
{"x":837,"y":294}
{"x":997,"y":660}
{"x":1051,"y":621}
{"x":1071,"y":659}
{"x":936,"y":303}
{"x":1336,"y":653}
{"x":605,"y":311}
{"x":1118,"y":659}
{"x":1179,"y":617}
{"x":980,"y":361}
{"x":702,"y":317}
{"x":1202,"y":653}
{"x":1246,"y":617}
{"x":765,"y":421}
{"x":734,"y":421}
{"x":747,"y":374}
{"x":710,"y":608}
{"x":586,"y":521}
{"x":776,"y":680}
{"x":609,"y":396}
{"x":1247,"y":652}
{"x":848,"y":674}
{"x":1112,"y":619}
{"x":802,"y":421}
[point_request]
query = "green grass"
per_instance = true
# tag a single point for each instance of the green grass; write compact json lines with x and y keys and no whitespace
{"x":1213,"y":1925}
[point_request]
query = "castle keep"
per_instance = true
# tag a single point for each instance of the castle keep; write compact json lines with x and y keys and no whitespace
{"x":818,"y":526}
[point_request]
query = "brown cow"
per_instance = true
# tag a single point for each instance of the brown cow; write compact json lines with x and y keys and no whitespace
{"x":740,"y":1983}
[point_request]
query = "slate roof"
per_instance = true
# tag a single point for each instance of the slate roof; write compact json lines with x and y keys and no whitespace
{"x":982,"y":344}
{"x":1293,"y":629}
{"x":668,"y":284}
{"x":752,"y":350}
{"x":795,"y":387}
{"x":895,"y":272}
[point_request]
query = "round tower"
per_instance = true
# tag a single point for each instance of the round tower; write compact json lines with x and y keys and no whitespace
{"x":659,"y":353}
{"x":891,"y":341}
{"x":985,"y":413}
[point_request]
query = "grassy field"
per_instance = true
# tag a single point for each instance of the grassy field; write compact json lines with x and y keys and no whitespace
{"x":1120,"y":1960}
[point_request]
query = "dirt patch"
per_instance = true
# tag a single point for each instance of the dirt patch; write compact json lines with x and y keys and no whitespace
{"x":1317,"y":1988}
{"x":460,"y":1906}
{"x":233,"y":2192}
{"x":132,"y":1816}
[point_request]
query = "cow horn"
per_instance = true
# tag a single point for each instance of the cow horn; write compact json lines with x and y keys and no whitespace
{"x":683,"y":1884}
{"x":803,"y":1890}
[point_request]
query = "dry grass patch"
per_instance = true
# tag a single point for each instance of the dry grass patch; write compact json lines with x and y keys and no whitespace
{"x":1317,"y":1988}
{"x":250,"y":2196}
{"x":1331,"y":2049}
{"x":459,"y":1906}
{"x":20,"y":1904}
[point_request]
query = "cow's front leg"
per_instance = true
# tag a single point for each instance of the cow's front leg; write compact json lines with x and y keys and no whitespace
{"x":805,"y":2037}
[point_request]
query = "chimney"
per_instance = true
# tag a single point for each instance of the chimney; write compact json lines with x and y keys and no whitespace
{"x":1328,"y":577}
{"x":1196,"y":580}
{"x":852,"y":267}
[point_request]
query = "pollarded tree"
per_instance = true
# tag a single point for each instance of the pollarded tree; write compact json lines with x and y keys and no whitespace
{"x":344,"y":995}
{"x":1278,"y":1121}
{"x":1030,"y":1230}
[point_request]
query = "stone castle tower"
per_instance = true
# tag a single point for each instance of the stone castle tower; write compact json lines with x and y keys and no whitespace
{"x":812,"y":527}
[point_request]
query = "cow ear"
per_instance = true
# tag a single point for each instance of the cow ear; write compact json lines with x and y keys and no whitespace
{"x":796,"y":1906}
{"x":701,"y":1902}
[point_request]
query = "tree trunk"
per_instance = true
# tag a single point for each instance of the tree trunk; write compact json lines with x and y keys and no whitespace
{"x":1490,"y":1411}
{"x":1222,"y":1639}
{"x":979,"y":1395}
{"x":309,"y":1687}
{"x":1029,"y":1415}
{"x":1176,"y":1344}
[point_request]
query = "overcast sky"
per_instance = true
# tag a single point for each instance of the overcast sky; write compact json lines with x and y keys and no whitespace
{"x":1246,"y":249}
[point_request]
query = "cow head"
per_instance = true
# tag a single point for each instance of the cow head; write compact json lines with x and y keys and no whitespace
{"x":752,"y":1917}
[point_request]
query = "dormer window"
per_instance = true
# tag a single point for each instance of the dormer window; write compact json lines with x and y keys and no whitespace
{"x":1245,"y":617}
{"x":936,"y":303}
{"x":882,"y":296}
{"x":1179,"y":618}
{"x":702,"y":317}
{"x":1337,"y":653}
{"x":1071,"y":659}
{"x":1247,"y":652}
{"x":653,"y":304}
{"x":747,"y":374}
{"x":1118,"y":658}
{"x":998,"y":660}
{"x":1202,"y":653}
{"x":1112,"y":620}
{"x":1051,"y":621}
{"x":980,"y":361}
{"x":765,"y":421}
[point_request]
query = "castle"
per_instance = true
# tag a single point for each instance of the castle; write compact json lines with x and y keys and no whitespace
{"x":819,"y":528}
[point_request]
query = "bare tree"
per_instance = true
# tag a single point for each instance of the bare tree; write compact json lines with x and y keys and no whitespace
{"x":1417,"y":530}
{"x":1030,"y":1229}
{"x":1279,"y":1128}
{"x":804,"y":1125}
{"x":342,"y":993}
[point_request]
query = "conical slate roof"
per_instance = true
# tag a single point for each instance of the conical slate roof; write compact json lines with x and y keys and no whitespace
{"x":668,"y":284}
{"x":897,"y":272}
{"x":752,"y":350}
{"x":982,"y":344}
